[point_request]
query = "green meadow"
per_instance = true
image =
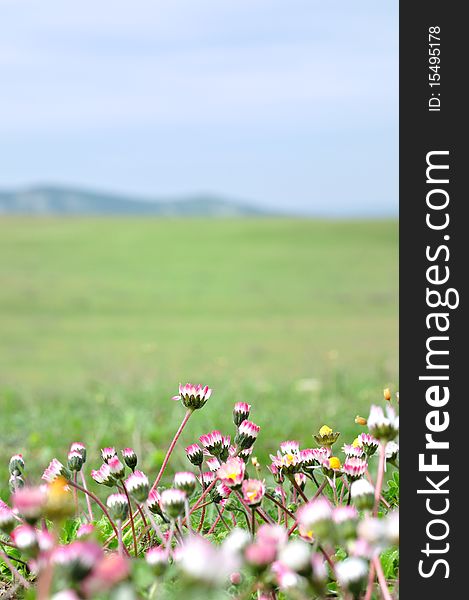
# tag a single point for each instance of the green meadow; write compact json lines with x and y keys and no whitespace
{"x":101,"y":318}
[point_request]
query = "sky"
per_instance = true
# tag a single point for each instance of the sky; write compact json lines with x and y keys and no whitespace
{"x":291,"y":105}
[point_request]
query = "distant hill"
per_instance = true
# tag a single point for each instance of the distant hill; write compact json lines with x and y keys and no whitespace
{"x":51,"y":200}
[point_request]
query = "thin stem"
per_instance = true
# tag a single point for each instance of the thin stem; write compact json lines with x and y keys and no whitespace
{"x":253,"y":515}
{"x":220,"y":512}
{"x":144,"y":521}
{"x":171,"y":448}
{"x":154,"y":524}
{"x":381,"y":579}
{"x":75,"y":495}
{"x":284,"y":501}
{"x":120,"y":543}
{"x":88,"y":503}
{"x":132,"y":524}
{"x":280,"y":505}
{"x":202,"y":516}
{"x":297,"y":487}
{"x":380,"y":477}
{"x":371,"y":579}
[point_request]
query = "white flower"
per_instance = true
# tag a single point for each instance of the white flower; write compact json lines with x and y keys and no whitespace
{"x":296,"y":555}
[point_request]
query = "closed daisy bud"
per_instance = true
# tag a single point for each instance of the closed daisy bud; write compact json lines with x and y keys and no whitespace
{"x":247,"y":434}
{"x":383,"y":426}
{"x":185,"y":481}
{"x":392,"y":452}
{"x":351,"y":574}
{"x":76,"y":560}
{"x":74,"y":460}
{"x":245,"y":454}
{"x":157,"y":558}
{"x":118,"y":507}
{"x":353,"y":450}
{"x":315,"y":519}
{"x":138,"y":486}
{"x":354,"y":468}
{"x":85,"y":531}
{"x":16,"y":464}
{"x":108,"y":453}
{"x":225,"y":447}
{"x":368,"y":443}
{"x":25,"y":539}
{"x":241,"y":412}
{"x":7,"y":520}
{"x":103,"y":475}
{"x":116,"y":467}
{"x":360,"y":420}
{"x":206,"y":478}
{"x":387,"y":394}
{"x":213,"y":464}
{"x":296,"y":555}
{"x":130,"y":458}
{"x":54,"y":470}
{"x":30,"y":502}
{"x":219,"y":492}
{"x":173,"y":502}
{"x":154,"y":503}
{"x":363,"y":494}
{"x":193,"y":396}
{"x":232,"y":472}
{"x":276,"y":472}
{"x":345,"y":519}
{"x":195,"y":454}
{"x":253,"y":491}
{"x":326,"y":437}
{"x":79,"y":447}
{"x":212,"y":442}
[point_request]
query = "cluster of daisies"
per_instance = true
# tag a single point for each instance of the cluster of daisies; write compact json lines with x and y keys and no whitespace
{"x":315,"y":522}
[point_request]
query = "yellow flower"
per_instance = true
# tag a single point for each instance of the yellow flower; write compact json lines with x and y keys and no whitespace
{"x":356,"y":443}
{"x":334,"y":462}
{"x":325,"y":430}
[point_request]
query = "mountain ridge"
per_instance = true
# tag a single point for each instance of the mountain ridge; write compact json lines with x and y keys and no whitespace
{"x":68,"y":200}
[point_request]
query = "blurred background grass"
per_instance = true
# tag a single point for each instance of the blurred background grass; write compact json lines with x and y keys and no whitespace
{"x":101,"y":318}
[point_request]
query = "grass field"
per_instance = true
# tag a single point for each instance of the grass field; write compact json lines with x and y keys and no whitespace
{"x":101,"y":318}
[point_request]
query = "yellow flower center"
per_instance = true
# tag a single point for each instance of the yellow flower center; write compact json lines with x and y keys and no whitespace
{"x":232,"y":476}
{"x":289,"y":458}
{"x":252,"y":495}
{"x":325,"y":430}
{"x":334,"y":462}
{"x":356,"y":443}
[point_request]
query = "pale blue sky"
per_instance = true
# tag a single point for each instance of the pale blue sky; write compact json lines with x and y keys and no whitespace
{"x":286,"y":103}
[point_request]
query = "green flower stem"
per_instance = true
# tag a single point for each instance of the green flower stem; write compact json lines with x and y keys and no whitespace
{"x":171,"y":448}
{"x":88,"y":503}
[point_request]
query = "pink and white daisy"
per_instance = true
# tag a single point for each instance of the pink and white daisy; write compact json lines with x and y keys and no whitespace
{"x":157,"y":558}
{"x":130,"y":457}
{"x":207,"y":477}
{"x":351,"y":574}
{"x":354,"y":468}
{"x":241,"y":412}
{"x":253,"y":491}
{"x":314,"y":518}
{"x":383,"y":426}
{"x":54,"y":470}
{"x":103,"y":475}
{"x":363,"y":494}
{"x":195,"y":454}
{"x":220,"y":492}
{"x":247,"y":434}
{"x":154,"y":503}
{"x":79,"y":447}
{"x":185,"y":481}
{"x":350,"y":450}
{"x":290,"y":447}
{"x":173,"y":502}
{"x":107,"y":453}
{"x":138,"y":486}
{"x":77,"y":558}
{"x":25,"y":539}
{"x":213,"y":464}
{"x":232,"y":472}
{"x":193,"y":396}
{"x":272,"y":534}
{"x":85,"y":531}
{"x":116,"y":467}
{"x":30,"y":502}
{"x":212,"y":442}
{"x":74,"y":460}
{"x":286,"y":578}
{"x":118,"y":506}
{"x":368,"y":443}
{"x":108,"y":572}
